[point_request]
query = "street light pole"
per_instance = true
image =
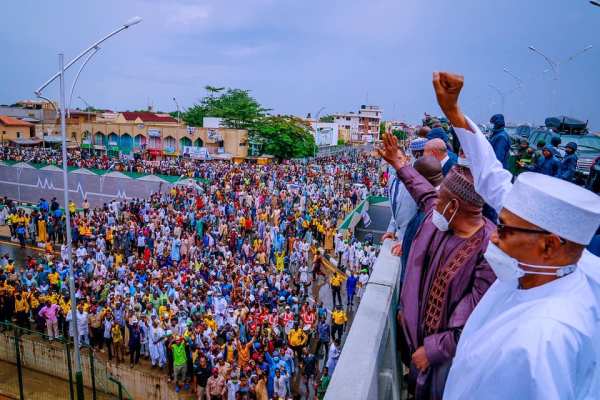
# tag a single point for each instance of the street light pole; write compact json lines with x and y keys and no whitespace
{"x":502,"y":95}
{"x":63,"y":128}
{"x":131,"y":22}
{"x":78,"y":370}
{"x":178,"y":112}
{"x":594,"y":3}
{"x":515,"y":77}
{"x":77,"y":78}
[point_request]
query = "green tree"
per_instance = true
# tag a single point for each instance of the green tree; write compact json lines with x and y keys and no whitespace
{"x":284,"y":136}
{"x":326,"y":118}
{"x":236,"y":107}
{"x":401,"y":135}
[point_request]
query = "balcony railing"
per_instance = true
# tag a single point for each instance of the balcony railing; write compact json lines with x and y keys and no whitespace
{"x":369,"y":367}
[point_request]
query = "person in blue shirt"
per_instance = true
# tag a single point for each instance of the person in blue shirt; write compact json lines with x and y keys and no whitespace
{"x":499,"y":140}
{"x":547,"y":165}
{"x":554,"y":143}
{"x":568,"y":166}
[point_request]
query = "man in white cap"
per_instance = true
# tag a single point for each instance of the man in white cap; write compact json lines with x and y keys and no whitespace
{"x":533,"y":335}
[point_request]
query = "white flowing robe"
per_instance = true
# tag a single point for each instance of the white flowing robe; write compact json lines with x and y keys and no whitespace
{"x":540,"y":343}
{"x":528,"y":344}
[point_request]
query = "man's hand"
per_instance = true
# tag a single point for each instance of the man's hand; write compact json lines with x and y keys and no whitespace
{"x":388,"y":235}
{"x":390,"y":152}
{"x":397,"y":249}
{"x":447,"y":89}
{"x":419,"y":358}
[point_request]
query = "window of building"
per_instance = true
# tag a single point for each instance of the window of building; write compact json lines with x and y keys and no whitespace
{"x":18,"y":135}
{"x":74,"y":135}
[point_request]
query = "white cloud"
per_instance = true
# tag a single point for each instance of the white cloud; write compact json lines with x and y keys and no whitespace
{"x":185,"y":15}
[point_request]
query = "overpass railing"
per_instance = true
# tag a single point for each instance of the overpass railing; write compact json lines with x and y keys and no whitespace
{"x":369,"y":367}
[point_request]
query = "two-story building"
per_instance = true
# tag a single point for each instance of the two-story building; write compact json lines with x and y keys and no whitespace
{"x":153,"y":135}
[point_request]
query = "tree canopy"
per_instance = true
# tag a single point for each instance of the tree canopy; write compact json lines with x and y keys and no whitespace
{"x":281,"y":136}
{"x":284,"y":136}
{"x":236,"y":107}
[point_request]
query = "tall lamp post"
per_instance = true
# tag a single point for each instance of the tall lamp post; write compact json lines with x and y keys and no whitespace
{"x":595,"y":3}
{"x":515,"y":77}
{"x":501,"y":94}
{"x":554,"y":65}
{"x":89,"y":112}
{"x":61,"y":75}
{"x":178,"y":111}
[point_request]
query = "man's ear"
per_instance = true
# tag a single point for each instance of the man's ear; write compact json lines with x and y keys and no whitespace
{"x":552,"y":244}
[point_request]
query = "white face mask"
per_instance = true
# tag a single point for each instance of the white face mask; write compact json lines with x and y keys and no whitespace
{"x":463,"y":162}
{"x":507,"y":268}
{"x":440,"y":221}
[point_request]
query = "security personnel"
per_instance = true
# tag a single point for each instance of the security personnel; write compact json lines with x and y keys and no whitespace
{"x":568,"y":166}
{"x":339,"y":319}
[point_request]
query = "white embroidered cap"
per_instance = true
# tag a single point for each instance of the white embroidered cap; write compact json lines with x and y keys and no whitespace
{"x":556,"y":206}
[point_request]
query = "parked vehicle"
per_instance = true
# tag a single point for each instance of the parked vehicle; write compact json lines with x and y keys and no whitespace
{"x":588,"y":148}
{"x":567,"y":125}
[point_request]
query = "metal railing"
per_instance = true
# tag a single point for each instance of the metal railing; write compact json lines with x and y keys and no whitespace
{"x":37,"y":368}
{"x":369,"y":367}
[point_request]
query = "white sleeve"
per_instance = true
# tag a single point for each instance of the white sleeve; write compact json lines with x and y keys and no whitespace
{"x":492,"y":182}
{"x":392,"y":225}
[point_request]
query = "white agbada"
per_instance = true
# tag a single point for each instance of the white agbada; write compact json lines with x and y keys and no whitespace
{"x":528,"y":344}
{"x":538,"y":343}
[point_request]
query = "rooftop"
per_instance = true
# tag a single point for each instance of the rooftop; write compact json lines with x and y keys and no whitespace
{"x":147,"y":116}
{"x":10,"y":121}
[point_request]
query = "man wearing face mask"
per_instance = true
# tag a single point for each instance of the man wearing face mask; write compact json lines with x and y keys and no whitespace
{"x":446,"y":274}
{"x":403,"y":205}
{"x":535,"y":333}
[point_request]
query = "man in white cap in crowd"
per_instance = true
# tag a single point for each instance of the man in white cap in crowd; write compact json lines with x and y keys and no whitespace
{"x":402,"y":203}
{"x":533,"y":335}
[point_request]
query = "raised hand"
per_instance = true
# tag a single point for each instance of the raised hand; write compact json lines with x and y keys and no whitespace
{"x":390,"y":152}
{"x":447,"y":90}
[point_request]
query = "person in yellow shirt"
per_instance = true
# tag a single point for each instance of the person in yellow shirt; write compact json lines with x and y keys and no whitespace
{"x":279,"y":261}
{"x":117,"y":340}
{"x":336,"y":286}
{"x":297,"y":339}
{"x":53,"y":278}
{"x":210,"y":322}
{"x":72,"y":207}
{"x":21,"y":310}
{"x":338,"y":322}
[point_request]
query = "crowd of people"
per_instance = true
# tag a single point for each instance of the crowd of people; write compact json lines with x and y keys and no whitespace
{"x":174,"y":166}
{"x":218,"y":284}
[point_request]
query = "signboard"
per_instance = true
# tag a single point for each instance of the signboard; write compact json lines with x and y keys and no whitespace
{"x":154,"y":132}
{"x":214,"y":135}
{"x":191,"y":130}
{"x":197,"y":153}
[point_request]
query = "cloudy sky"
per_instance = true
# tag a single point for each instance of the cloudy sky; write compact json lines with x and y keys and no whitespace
{"x":297,"y":56}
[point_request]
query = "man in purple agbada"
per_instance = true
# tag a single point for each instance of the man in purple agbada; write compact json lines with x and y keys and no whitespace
{"x":446,"y":274}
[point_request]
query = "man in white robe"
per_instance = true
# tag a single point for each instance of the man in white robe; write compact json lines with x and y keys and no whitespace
{"x":533,"y":335}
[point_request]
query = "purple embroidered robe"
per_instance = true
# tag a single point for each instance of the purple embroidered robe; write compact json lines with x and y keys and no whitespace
{"x":446,"y":276}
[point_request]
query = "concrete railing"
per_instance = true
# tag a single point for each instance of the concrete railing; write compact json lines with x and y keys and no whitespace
{"x":369,"y":366}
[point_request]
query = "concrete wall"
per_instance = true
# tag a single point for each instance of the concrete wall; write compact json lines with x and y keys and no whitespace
{"x":51,"y":359}
{"x":369,"y":367}
{"x":29,"y":184}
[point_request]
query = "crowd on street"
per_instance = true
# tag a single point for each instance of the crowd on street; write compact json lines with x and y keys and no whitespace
{"x":219,"y":285}
{"x":174,"y":166}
